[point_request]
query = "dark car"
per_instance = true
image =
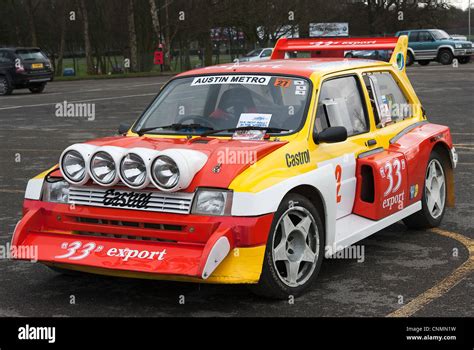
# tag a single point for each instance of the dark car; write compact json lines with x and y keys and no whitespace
{"x":24,"y":68}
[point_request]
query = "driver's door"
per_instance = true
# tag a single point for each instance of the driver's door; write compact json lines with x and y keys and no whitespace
{"x":341,"y":103}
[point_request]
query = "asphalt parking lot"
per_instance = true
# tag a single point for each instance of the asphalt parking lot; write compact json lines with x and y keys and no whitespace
{"x":405,"y":272}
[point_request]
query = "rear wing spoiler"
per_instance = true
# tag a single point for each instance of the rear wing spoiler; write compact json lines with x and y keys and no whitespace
{"x":335,"y":47}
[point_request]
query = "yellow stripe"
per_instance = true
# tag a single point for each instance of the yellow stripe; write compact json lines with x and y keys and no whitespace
{"x":446,"y":284}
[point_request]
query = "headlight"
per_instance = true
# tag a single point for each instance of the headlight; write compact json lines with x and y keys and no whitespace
{"x":57,"y":192}
{"x":133,"y":171}
{"x":74,"y":166}
{"x":212,"y":202}
{"x":458,"y":46}
{"x":103,"y":169}
{"x":165,"y":172}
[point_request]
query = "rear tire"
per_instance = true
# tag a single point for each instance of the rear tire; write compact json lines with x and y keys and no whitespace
{"x":445,"y":57}
{"x":424,"y":62}
{"x":410,"y":58}
{"x":37,"y":88}
{"x":295,"y":249}
{"x":433,"y":200}
{"x":6,"y":87}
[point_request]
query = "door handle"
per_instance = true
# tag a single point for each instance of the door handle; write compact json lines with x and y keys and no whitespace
{"x":371,"y":142}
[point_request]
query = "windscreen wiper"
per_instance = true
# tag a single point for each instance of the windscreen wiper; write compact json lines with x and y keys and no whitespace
{"x":268,"y":129}
{"x":176,"y":126}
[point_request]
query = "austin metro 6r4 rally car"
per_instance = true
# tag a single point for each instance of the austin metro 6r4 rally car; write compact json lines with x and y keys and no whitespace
{"x":248,"y":173}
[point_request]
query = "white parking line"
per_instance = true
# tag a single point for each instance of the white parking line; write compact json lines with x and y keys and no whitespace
{"x":79,"y":101}
{"x":110,"y":88}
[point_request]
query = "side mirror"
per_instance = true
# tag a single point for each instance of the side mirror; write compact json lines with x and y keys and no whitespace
{"x":331,"y":135}
{"x":123,"y":128}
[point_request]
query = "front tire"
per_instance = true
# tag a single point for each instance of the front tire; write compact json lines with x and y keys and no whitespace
{"x":410,"y":58}
{"x":433,"y":200}
{"x":445,"y":57}
{"x":295,"y":249}
{"x":424,"y":62}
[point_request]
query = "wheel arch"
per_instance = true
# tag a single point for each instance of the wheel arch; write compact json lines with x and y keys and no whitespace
{"x":444,"y":47}
{"x":444,"y":151}
{"x":315,"y":196}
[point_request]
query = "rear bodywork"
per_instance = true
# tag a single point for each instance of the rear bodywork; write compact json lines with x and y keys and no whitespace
{"x":25,"y":67}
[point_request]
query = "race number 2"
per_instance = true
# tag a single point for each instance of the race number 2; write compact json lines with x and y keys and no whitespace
{"x":338,"y":173}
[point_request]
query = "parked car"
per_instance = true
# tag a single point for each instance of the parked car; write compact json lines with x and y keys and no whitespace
{"x":380,"y":55}
{"x":24,"y":68}
{"x":427,"y":45}
{"x":254,"y":177}
{"x":257,"y":55}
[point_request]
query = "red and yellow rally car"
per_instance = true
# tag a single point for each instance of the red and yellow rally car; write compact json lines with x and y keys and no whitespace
{"x":248,"y":173}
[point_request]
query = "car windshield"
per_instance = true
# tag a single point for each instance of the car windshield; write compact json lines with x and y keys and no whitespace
{"x":30,"y":55}
{"x":228,"y":101}
{"x":440,"y":34}
{"x":254,"y":53}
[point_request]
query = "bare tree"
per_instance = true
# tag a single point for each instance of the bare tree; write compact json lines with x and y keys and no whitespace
{"x":132,"y":37}
{"x":155,"y":20}
{"x":30,"y":9}
{"x":87,"y":40}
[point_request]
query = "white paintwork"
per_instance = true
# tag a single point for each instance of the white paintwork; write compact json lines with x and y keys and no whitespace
{"x":34,"y":189}
{"x":217,"y":254}
{"x":348,"y":182}
{"x":268,"y":200}
{"x":189,"y":163}
{"x":116,"y":153}
{"x":353,"y":228}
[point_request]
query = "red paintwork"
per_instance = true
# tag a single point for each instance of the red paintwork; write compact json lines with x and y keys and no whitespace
{"x":336,"y":45}
{"x":382,"y":206}
{"x":50,"y":226}
{"x":215,"y":149}
{"x":416,"y":147}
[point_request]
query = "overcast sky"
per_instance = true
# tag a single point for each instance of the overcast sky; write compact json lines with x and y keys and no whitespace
{"x":463,"y":4}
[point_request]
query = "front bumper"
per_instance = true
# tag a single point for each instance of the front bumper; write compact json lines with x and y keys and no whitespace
{"x":143,"y":244}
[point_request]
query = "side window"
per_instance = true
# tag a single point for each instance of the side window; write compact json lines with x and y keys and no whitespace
{"x":413,"y":37}
{"x":425,"y":36}
{"x":340,"y":104}
{"x":266,"y":53}
{"x":388,"y":102}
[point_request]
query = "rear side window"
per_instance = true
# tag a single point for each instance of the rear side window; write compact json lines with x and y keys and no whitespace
{"x":31,"y":55}
{"x":340,"y":104}
{"x":388,"y":102}
{"x":413,"y":36}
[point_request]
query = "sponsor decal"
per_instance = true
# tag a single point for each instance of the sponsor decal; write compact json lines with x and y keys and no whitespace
{"x":296,"y":159}
{"x":231,"y":79}
{"x":260,"y":120}
{"x":116,"y":198}
{"x":413,"y":191}
{"x":391,"y":201}
{"x":400,"y":61}
{"x":78,"y":251}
